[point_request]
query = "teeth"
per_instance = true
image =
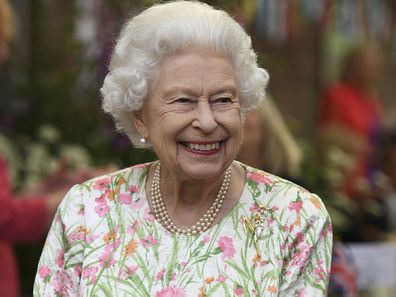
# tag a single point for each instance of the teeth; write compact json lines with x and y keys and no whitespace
{"x":203,"y":147}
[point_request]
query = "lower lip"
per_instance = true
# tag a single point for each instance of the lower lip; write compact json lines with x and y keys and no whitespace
{"x":202,"y":153}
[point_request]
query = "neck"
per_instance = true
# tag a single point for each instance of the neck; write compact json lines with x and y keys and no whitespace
{"x":188,"y":194}
{"x":188,"y":216}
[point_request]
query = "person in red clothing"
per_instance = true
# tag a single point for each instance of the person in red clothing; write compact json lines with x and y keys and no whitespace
{"x":350,"y":115}
{"x":22,"y":219}
{"x":26,"y":218}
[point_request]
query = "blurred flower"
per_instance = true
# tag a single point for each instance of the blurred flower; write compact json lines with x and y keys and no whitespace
{"x":338,"y":165}
{"x":48,"y":133}
{"x":38,"y":164}
{"x":75,"y":156}
{"x":33,"y":161}
{"x":326,"y":180}
{"x":10,"y":154}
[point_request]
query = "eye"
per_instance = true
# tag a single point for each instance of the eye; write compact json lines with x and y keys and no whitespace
{"x":182,"y":100}
{"x":223,"y":100}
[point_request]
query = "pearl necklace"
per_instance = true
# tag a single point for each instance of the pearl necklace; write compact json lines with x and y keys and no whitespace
{"x":203,"y":223}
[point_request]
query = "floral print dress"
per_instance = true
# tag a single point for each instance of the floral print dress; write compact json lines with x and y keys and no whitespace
{"x":104,"y":241}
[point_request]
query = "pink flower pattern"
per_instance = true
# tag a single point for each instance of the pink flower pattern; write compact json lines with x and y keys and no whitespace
{"x":102,"y":209}
{"x":149,"y":241}
{"x":260,"y":178}
{"x":296,"y":206}
{"x":59,"y":258}
{"x":160,"y":274}
{"x":171,"y":292}
{"x":227,"y":246}
{"x":90,"y":273}
{"x":137,"y":204}
{"x":239,"y":291}
{"x":44,"y":271}
{"x":125,"y":198}
{"x":77,"y":270}
{"x":102,"y":184}
{"x":148,"y":215}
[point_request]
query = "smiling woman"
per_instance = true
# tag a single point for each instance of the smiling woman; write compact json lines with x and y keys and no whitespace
{"x":186,"y":115}
{"x":195,"y":222}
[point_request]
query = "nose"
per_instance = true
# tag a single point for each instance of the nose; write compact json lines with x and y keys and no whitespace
{"x":204,"y":118}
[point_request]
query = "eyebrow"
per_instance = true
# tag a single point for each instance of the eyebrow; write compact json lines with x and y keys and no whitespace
{"x":223,"y":88}
{"x":227,"y":87}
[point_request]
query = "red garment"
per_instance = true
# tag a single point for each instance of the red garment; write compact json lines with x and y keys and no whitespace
{"x":21,"y":220}
{"x":346,"y":106}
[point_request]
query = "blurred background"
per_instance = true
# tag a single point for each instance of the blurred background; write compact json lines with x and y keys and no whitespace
{"x":50,"y":112}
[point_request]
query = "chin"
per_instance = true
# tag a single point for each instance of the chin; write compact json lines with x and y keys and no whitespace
{"x":202,"y":171}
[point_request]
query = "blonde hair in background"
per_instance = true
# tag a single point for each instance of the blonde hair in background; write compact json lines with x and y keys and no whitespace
{"x":277,"y":151}
{"x":281,"y":152}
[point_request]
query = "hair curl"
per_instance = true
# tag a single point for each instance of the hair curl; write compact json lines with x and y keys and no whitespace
{"x":165,"y":29}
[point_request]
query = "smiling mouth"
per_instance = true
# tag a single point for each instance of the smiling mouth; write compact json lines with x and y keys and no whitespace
{"x":203,"y":148}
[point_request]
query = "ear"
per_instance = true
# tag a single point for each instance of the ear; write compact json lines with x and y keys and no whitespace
{"x":139,"y":122}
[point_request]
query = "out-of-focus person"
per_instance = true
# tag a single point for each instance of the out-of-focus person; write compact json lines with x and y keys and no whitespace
{"x":26,"y":217}
{"x":351,"y":115}
{"x":195,"y":222}
{"x":267,"y":142}
{"x":23,"y":218}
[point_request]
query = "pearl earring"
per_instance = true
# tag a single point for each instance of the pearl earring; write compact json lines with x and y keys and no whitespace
{"x":142,"y":140}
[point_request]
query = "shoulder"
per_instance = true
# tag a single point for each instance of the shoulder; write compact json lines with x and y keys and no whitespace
{"x":103,"y":182}
{"x":104,"y":190}
{"x":112,"y":182}
{"x":291,"y":203}
{"x":271,"y":184}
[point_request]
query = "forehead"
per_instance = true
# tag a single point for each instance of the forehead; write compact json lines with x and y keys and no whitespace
{"x":189,"y":69}
{"x":196,"y":58}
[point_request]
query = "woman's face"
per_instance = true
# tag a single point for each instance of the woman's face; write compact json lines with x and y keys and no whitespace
{"x":192,"y":116}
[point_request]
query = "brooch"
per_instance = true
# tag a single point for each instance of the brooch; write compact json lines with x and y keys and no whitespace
{"x":255,"y":225}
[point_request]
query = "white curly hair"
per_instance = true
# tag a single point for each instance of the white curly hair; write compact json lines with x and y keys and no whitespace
{"x":165,"y":29}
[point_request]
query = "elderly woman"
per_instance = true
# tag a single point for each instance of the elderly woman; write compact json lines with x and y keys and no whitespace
{"x":196,"y":222}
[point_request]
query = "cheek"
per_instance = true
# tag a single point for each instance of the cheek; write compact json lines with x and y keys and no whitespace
{"x":161,"y":122}
{"x":164,"y":130}
{"x":232,"y":123}
{"x":236,"y":122}
{"x":163,"y":135}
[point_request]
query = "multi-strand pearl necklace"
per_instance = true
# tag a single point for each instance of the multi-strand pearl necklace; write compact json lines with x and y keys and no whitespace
{"x":204,"y":222}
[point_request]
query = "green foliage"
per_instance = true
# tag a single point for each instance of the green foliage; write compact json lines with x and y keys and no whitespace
{"x":324,"y":173}
{"x":56,"y":82}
